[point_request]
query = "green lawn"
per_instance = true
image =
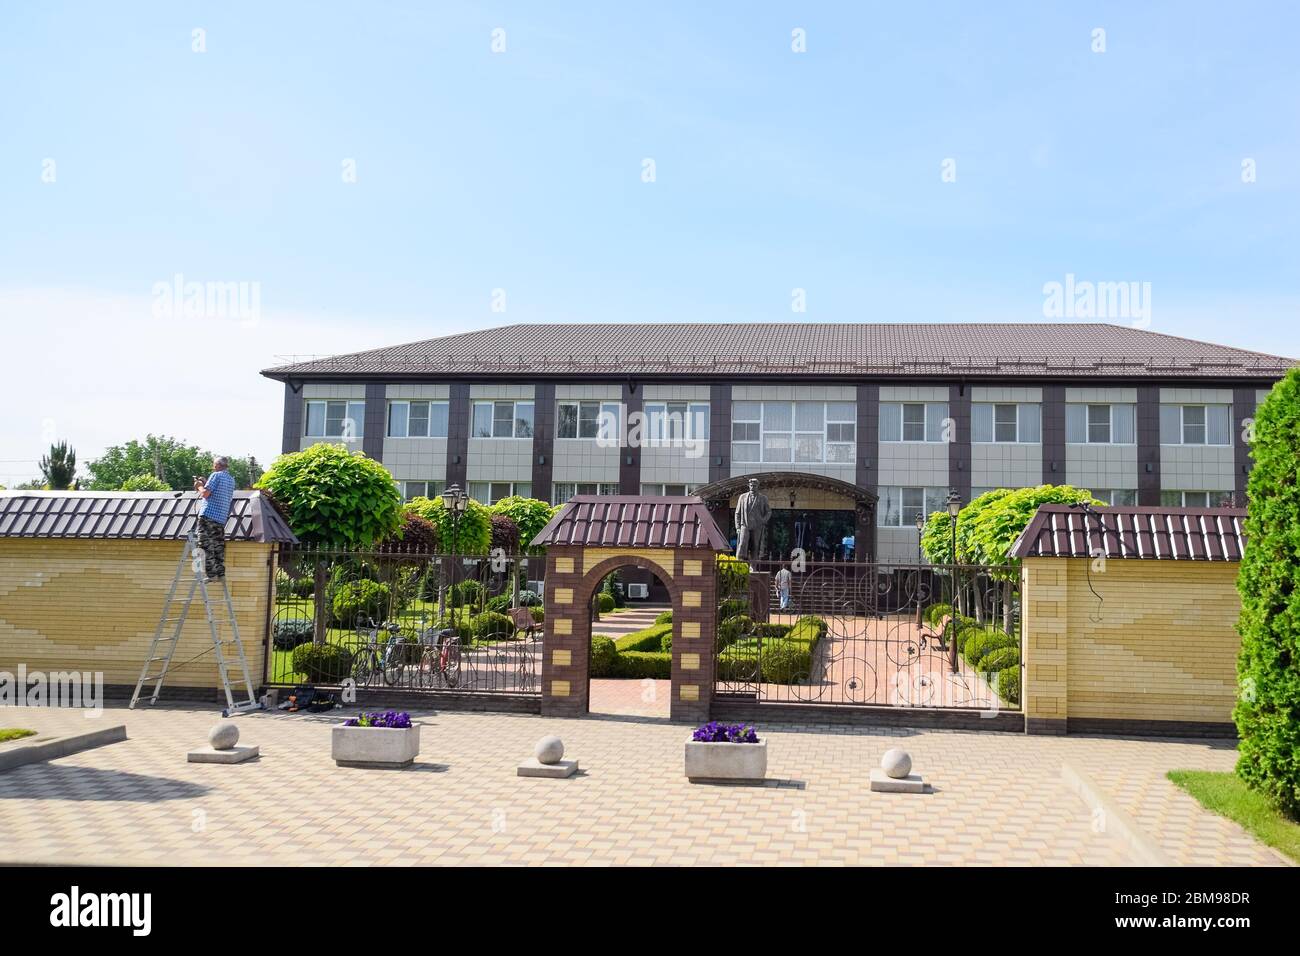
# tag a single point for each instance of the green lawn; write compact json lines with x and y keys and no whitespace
{"x":1228,"y":796}
{"x":14,"y":733}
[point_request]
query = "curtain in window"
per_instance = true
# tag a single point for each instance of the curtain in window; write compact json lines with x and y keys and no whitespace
{"x":1218,"y":428}
{"x":1171,"y":424}
{"x":1076,"y":424}
{"x":1122,"y":419}
{"x":437,"y":419}
{"x":1031,"y":422}
{"x":981,"y":422}
{"x":891,"y":421}
{"x":935,"y":413}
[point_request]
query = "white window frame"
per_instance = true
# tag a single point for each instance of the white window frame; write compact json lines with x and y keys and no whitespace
{"x":516,"y":421}
{"x":1180,"y":438}
{"x":1110,"y":423}
{"x":1212,"y":496}
{"x":351,"y":408}
{"x":658,"y":429}
{"x":1108,"y":495}
{"x":522,"y":488}
{"x":602,"y":488}
{"x":428,"y":417}
{"x":900,"y":438}
{"x":931,"y":499}
{"x":1020,"y":425}
{"x":659,"y":489}
{"x":754,"y":450}
{"x":607,"y":413}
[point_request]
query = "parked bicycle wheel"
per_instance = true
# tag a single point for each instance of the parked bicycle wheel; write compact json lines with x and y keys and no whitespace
{"x":449,"y":662}
{"x":363,"y":667}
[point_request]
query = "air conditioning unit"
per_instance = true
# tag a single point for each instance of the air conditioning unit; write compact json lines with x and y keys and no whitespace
{"x":638,"y":591}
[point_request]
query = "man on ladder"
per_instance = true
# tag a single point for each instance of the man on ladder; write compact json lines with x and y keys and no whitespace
{"x":217,"y":492}
{"x":207,"y":538}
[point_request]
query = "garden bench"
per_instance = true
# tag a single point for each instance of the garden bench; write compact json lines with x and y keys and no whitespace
{"x":522,"y":618}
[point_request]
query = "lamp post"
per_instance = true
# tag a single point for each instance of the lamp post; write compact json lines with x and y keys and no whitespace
{"x":455,"y":501}
{"x":954,"y":508}
{"x":920,"y":531}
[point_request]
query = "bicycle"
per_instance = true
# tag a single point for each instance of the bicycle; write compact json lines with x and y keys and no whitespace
{"x":387,"y":659}
{"x":440,"y":659}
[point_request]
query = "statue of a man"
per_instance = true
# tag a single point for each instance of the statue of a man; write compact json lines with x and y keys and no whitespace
{"x":752,"y":515}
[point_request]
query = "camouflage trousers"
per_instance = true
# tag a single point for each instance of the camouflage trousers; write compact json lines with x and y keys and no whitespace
{"x":212,"y":539}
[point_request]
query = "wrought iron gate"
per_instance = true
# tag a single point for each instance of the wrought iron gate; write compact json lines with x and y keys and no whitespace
{"x":866,"y":633}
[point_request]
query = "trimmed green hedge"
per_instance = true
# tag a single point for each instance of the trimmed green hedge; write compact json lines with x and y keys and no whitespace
{"x":1009,"y":684}
{"x":646,"y":639}
{"x":665,"y":617}
{"x":980,"y":641}
{"x":603,"y":656}
{"x":638,"y":665}
{"x":322,"y":663}
{"x":935,"y":612}
{"x":999,"y":658}
{"x":604,"y":602}
{"x":491,"y":625}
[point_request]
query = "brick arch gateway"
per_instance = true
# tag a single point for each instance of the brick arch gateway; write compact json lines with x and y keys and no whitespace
{"x":674,"y":538}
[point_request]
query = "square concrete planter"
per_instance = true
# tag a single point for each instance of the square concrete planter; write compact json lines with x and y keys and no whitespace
{"x":378,"y":747}
{"x":707,"y":762}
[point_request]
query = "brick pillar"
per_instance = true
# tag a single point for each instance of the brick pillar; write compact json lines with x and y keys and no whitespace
{"x":1044,"y":694}
{"x":694,"y":635}
{"x":566,"y":641}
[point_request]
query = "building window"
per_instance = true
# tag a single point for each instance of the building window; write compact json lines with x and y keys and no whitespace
{"x":1195,"y":425}
{"x":1100,"y":424}
{"x":562,"y":491}
{"x":490,"y":492}
{"x":417,"y":419}
{"x":912,"y":421}
{"x":336,"y":419}
{"x":898,"y":507}
{"x":1117,"y":497}
{"x":1195,"y":499}
{"x":658,"y":489}
{"x":502,"y":420}
{"x":587,"y":420}
{"x":420,"y":489}
{"x":673,"y":423}
{"x":1006,"y":423}
{"x":802,"y":432}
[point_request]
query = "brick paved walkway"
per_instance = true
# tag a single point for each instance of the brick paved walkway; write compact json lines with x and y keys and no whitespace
{"x":1000,"y":798}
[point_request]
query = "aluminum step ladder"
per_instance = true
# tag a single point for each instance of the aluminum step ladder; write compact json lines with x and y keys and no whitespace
{"x":168,"y":633}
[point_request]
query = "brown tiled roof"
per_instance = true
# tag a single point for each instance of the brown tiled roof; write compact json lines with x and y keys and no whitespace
{"x":772,"y":349}
{"x":633,"y":521}
{"x":126,"y":515}
{"x":1161,"y":534}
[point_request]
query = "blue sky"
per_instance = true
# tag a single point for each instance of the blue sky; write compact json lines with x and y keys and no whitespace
{"x":522,"y":171}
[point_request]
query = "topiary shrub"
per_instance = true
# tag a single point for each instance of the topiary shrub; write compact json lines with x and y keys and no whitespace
{"x":733,"y":607}
{"x":466,"y":593}
{"x":604,"y":602}
{"x":603,"y":656}
{"x":322,"y":663}
{"x":335,"y":496}
{"x":473,"y":529}
{"x":490,"y":625}
{"x":982,"y":641}
{"x":999,"y":658}
{"x":460,"y":626}
{"x":288,"y":634}
{"x":664,"y":617}
{"x":538,"y":613}
{"x":936,"y":613}
{"x":638,"y":665}
{"x":785,"y":662}
{"x":732,"y":629}
{"x":1267,"y":713}
{"x":529,"y":515}
{"x":504,"y":534}
{"x":500,"y":603}
{"x":666,"y":643}
{"x":415,"y":535}
{"x":1008,"y":681}
{"x":356,"y":601}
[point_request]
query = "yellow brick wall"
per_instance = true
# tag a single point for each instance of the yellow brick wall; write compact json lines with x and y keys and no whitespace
{"x":1161,"y":645}
{"x":93,"y":606}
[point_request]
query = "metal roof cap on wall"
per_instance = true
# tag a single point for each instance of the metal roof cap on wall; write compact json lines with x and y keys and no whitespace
{"x":133,"y":516}
{"x":633,"y":521}
{"x":1151,"y":533}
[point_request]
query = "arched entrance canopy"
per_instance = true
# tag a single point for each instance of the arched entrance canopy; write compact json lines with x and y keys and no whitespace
{"x":676,"y":539}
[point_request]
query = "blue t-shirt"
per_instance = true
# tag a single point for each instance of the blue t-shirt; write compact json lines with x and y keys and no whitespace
{"x":217,"y":506}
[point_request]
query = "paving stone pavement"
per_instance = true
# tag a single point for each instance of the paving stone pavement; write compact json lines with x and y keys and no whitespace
{"x":999,"y":799}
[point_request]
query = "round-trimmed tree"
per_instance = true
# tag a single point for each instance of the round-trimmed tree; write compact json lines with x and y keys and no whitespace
{"x":473,"y":532}
{"x":336,"y":497}
{"x":1268,"y":668}
{"x":529,"y":514}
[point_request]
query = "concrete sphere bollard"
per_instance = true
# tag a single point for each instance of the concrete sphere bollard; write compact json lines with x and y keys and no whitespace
{"x":223,"y":736}
{"x":896,"y":763}
{"x":549,"y":750}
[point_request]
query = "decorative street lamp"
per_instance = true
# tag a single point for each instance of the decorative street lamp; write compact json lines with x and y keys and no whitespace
{"x":954,"y":508}
{"x":920,"y":531}
{"x":455,"y":501}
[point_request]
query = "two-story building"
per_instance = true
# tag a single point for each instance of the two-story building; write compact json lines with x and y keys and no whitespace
{"x":853,"y":429}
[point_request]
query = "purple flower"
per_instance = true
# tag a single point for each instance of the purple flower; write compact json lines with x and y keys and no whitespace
{"x":389,"y":718}
{"x":716,"y":733}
